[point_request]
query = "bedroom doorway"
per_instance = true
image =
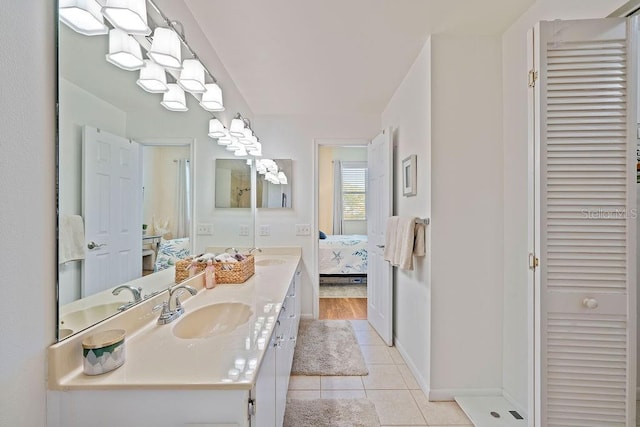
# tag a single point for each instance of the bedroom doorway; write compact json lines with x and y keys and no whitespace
{"x":342,"y":224}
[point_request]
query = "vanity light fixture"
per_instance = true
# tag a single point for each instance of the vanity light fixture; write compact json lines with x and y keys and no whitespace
{"x":82,"y":16}
{"x":124,"y":51}
{"x":174,"y":99}
{"x":241,"y":152}
{"x":224,"y":141}
{"x":128,"y":15}
{"x":165,"y":48}
{"x":237,"y":127}
{"x":216,"y":128}
{"x":282,"y":178}
{"x":192,"y":76}
{"x":255,"y":150}
{"x":212,"y":98}
{"x":152,"y":78}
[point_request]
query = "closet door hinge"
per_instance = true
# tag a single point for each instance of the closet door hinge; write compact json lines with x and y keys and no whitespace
{"x":534,"y":262}
{"x":533,"y":76}
{"x":251,"y":407}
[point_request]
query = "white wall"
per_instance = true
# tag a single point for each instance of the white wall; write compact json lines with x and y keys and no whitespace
{"x":514,"y":133}
{"x":466,"y":230}
{"x":28,"y":215}
{"x":409,"y":115}
{"x":292,"y":137}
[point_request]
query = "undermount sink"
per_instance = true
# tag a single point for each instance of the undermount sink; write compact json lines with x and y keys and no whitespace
{"x":80,"y":319}
{"x":212,"y":320}
{"x":270,"y":261}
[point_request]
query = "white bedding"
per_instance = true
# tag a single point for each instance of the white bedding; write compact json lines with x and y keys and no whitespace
{"x":343,"y":254}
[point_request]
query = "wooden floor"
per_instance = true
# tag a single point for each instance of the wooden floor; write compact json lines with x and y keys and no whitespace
{"x":343,"y":308}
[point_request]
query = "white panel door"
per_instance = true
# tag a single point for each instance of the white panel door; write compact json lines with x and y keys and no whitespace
{"x":585,"y":234}
{"x":112,"y":210}
{"x":379,"y":208}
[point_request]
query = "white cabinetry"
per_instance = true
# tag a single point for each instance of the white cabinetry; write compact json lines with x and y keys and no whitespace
{"x":273,"y":378}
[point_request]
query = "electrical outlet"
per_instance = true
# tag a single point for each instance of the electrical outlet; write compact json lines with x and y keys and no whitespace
{"x":204,"y":229}
{"x":244,"y":230}
{"x":265,"y":230}
{"x":303,"y":230}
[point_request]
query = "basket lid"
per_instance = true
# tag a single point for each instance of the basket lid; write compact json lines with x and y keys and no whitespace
{"x":104,"y":338}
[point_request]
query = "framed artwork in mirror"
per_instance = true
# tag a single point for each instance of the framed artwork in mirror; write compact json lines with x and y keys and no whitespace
{"x":409,"y":176}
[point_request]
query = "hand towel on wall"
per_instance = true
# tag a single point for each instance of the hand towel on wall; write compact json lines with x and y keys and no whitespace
{"x":70,"y":238}
{"x":419,"y":246}
{"x":390,"y":239}
{"x":404,"y":251}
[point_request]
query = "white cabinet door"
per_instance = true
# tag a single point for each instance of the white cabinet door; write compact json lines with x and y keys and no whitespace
{"x":585,"y":229}
{"x":265,"y":389}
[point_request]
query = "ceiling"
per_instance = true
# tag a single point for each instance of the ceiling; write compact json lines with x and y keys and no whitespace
{"x":334,"y":56}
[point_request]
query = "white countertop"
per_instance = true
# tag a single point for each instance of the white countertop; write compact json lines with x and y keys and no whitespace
{"x":157,"y":359}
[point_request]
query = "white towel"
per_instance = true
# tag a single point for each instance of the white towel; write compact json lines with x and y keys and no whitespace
{"x":406,"y":234}
{"x":390,"y":239}
{"x":70,"y":238}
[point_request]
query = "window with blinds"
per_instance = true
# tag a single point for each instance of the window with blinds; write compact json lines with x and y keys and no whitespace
{"x":354,"y":190}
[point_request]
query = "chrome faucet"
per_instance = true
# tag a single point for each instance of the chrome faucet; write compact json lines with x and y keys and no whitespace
{"x":254,"y":250}
{"x":137,"y":297}
{"x":167,"y":315}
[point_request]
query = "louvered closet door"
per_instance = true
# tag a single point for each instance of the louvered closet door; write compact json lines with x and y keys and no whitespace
{"x":585,"y":233}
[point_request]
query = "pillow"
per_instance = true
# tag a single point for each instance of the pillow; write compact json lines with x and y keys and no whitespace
{"x":322,"y":235}
{"x":170,"y":251}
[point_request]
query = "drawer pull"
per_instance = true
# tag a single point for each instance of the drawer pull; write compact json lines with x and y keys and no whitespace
{"x":590,"y":303}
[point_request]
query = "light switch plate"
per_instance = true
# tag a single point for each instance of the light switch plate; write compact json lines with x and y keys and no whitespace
{"x":303,"y":229}
{"x":204,"y":229}
{"x":243,"y":230}
{"x":265,"y":230}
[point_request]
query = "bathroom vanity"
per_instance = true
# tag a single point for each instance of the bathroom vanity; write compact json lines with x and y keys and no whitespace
{"x":225,"y":362}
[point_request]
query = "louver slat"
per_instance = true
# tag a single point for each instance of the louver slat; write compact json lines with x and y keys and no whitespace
{"x":583,"y":234}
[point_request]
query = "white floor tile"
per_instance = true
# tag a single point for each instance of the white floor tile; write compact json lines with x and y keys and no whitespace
{"x":408,"y":377}
{"x":440,"y":413}
{"x":369,"y":338}
{"x":384,"y":377}
{"x":374,"y":354}
{"x":341,"y":383}
{"x":304,"y":382}
{"x":396,"y":407}
{"x":396,"y":356}
{"x":361,"y":325}
{"x":343,"y":394}
{"x":303,"y":394}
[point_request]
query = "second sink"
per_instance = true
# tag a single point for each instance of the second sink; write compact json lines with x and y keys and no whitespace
{"x":212,"y":320}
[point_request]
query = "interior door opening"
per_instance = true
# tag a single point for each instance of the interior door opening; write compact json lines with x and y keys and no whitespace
{"x":342,"y":225}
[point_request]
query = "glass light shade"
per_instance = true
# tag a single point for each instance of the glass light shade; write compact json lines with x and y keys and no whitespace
{"x":124,"y":51}
{"x":235,"y":145}
{"x":212,"y":98}
{"x":282,"y":178}
{"x":241,"y":152}
{"x":192,"y":76}
{"x":256,"y":150}
{"x":246,"y":137}
{"x":237,"y":128}
{"x":224,"y":140}
{"x":82,"y":16}
{"x":272,"y":178}
{"x":152,"y":78}
{"x":174,"y":99}
{"x":216,"y":129}
{"x":165,"y":48}
{"x":128,"y":15}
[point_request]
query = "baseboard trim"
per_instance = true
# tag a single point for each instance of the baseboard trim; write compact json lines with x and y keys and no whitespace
{"x":412,"y":367}
{"x":513,"y":402}
{"x":448,"y":394}
{"x":306,"y":316}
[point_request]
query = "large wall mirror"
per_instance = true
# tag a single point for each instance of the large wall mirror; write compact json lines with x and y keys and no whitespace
{"x":132,"y":177}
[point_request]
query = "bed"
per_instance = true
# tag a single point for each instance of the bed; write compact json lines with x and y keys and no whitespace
{"x":343,"y":255}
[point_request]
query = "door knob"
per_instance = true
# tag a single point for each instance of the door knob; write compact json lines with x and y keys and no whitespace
{"x":380,"y":246}
{"x":590,"y":303}
{"x":94,"y":245}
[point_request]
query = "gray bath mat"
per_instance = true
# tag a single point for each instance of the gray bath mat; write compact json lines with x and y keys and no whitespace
{"x":330,"y":413}
{"x":327,"y":347}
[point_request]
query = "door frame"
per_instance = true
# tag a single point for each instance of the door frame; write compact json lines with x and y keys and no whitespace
{"x":180,"y":142}
{"x":317,"y":142}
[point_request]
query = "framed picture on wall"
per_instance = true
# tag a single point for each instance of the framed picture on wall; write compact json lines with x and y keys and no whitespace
{"x":409,"y":176}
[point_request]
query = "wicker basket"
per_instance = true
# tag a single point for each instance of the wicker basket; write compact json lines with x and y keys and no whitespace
{"x":226,"y":272}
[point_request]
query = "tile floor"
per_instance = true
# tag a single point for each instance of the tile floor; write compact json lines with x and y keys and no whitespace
{"x":389,"y":385}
